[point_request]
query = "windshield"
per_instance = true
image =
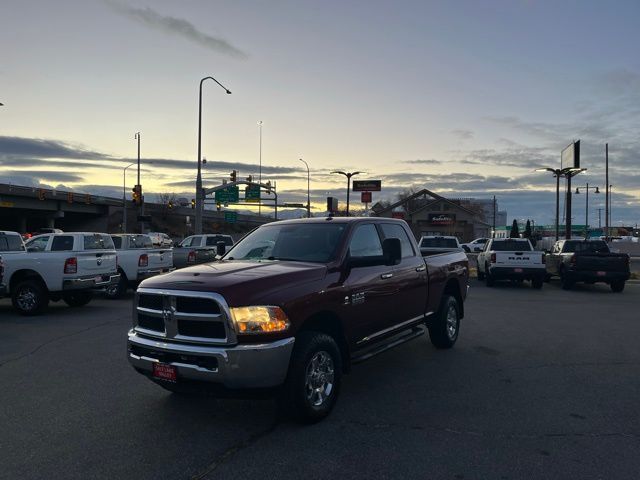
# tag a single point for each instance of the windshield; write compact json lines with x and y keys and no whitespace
{"x":511,"y":246}
{"x":297,"y":242}
{"x":439,"y":242}
{"x":589,"y":247}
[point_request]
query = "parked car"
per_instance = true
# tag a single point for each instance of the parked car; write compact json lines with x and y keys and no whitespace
{"x":137,"y":260}
{"x":432,"y":245}
{"x":199,"y":249}
{"x":160,"y":239}
{"x":588,"y":261}
{"x":3,"y":287}
{"x":292,"y":306}
{"x":511,"y":259}
{"x":475,"y":245}
{"x":56,"y":266}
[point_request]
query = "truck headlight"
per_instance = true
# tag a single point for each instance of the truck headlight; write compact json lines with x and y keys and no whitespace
{"x":259,"y":319}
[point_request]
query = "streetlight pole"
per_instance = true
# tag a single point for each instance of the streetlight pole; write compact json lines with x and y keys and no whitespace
{"x":124,"y":197}
{"x":308,"y":190}
{"x":560,"y":172}
{"x":141,"y":203}
{"x":348,"y":175}
{"x":260,"y":168}
{"x":586,"y":214}
{"x":199,"y":199}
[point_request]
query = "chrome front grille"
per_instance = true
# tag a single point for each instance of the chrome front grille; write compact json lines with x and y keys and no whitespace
{"x":183,"y":316}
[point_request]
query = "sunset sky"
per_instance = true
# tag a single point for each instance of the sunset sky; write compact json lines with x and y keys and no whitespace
{"x":465,"y":98}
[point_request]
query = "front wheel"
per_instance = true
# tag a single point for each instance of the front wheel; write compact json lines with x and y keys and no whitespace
{"x":313,"y":381}
{"x":488,"y":278}
{"x":444,"y":329}
{"x":77,"y":299}
{"x":617,"y":286}
{"x":30,"y":297}
{"x":565,"y":282}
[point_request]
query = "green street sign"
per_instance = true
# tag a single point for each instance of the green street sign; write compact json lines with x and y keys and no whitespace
{"x":252,"y":193}
{"x":230,"y":217}
{"x":228,"y":195}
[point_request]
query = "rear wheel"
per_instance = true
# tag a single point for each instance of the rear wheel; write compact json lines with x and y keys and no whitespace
{"x":444,"y":329}
{"x":77,"y":299}
{"x":565,"y":282}
{"x":537,"y":283}
{"x":617,"y":286}
{"x":480,"y":275}
{"x":488,"y":278}
{"x":30,"y":297}
{"x":117,"y":290}
{"x":313,"y":380}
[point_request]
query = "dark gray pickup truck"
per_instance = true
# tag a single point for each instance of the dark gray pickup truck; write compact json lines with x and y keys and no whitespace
{"x":588,"y":261}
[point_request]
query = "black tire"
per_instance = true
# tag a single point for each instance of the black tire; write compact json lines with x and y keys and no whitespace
{"x":547,"y":278}
{"x":537,"y":283}
{"x":488,"y":278}
{"x":617,"y":286}
{"x":78,"y":299}
{"x":565,"y":283}
{"x":480,"y":275}
{"x":30,"y":297}
{"x":444,"y":330}
{"x":113,"y":292}
{"x":314,"y":354}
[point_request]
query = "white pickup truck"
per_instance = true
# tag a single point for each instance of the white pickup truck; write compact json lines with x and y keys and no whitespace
{"x":511,"y":259}
{"x":432,"y":245}
{"x":199,"y":249}
{"x":56,"y":266}
{"x":137,"y":260}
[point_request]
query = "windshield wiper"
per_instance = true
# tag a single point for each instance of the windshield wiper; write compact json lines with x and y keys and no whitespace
{"x":283,"y":259}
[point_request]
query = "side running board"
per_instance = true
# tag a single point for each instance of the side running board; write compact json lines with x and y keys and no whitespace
{"x":366,"y":354}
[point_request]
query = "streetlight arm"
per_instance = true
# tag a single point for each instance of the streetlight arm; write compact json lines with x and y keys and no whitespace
{"x":211,"y":78}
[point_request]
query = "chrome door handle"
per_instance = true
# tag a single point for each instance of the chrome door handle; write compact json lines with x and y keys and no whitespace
{"x":421,"y":268}
{"x":384,"y":276}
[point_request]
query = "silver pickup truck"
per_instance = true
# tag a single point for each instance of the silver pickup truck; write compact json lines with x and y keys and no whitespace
{"x":199,"y":249}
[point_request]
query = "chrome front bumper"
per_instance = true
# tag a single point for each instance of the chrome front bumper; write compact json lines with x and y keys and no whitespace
{"x":241,"y":366}
{"x":85,"y":283}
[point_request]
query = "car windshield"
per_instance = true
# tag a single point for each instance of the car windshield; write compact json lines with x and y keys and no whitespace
{"x":587,"y":247}
{"x":295,"y":242}
{"x":511,"y":246}
{"x":439,"y":242}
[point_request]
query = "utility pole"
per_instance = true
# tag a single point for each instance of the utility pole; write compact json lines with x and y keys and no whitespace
{"x":141,"y":210}
{"x":494,"y":217}
{"x":260,"y":168}
{"x":599,"y":218}
{"x":607,"y":218}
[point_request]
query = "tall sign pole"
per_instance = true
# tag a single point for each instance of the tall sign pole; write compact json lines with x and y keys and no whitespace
{"x":607,"y":200}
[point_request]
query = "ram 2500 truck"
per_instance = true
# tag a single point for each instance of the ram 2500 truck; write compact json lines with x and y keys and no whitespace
{"x":292,"y":306}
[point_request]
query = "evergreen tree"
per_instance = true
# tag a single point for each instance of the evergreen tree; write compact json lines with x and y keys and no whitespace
{"x":527,"y":230}
{"x":515,"y":232}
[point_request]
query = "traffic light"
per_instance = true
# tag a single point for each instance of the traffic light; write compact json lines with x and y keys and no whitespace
{"x":234,"y":175}
{"x":137,"y":194}
{"x":250,"y":178}
{"x":170,"y":204}
{"x":193,"y":203}
{"x":218,"y":207}
{"x":40,"y":194}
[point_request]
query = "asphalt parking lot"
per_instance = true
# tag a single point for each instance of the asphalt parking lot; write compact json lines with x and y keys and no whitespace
{"x":542,"y":384}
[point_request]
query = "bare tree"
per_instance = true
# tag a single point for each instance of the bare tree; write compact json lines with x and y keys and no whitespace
{"x":166,"y":200}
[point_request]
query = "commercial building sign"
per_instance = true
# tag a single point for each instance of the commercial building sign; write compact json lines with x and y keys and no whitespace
{"x":367,"y":185}
{"x":442,"y":218}
{"x":365,"y":197}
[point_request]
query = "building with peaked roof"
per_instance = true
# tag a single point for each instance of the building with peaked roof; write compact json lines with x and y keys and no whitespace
{"x":428,"y":213}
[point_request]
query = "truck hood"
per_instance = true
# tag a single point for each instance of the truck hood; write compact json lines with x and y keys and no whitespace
{"x":240,"y":282}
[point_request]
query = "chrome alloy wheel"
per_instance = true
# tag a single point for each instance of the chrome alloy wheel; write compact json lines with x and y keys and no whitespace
{"x":319,"y":378}
{"x":452,"y":322}
{"x":26,"y":298}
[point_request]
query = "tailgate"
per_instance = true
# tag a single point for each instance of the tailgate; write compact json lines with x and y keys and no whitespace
{"x":519,"y":259}
{"x":602,"y":262}
{"x":160,"y":258}
{"x":96,"y":262}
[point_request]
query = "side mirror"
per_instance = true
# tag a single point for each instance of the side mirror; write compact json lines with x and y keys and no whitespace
{"x":392,"y":251}
{"x":221,"y":248}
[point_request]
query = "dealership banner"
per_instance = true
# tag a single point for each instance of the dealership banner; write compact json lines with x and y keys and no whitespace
{"x":442,"y":219}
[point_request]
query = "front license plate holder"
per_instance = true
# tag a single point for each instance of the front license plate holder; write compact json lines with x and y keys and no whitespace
{"x":517,"y":270}
{"x":601,"y":274}
{"x":162,"y":371}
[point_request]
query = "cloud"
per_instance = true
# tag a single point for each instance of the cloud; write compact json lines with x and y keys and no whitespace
{"x":19,"y":147}
{"x":423,"y":162}
{"x":462,"y":134}
{"x":177,"y":26}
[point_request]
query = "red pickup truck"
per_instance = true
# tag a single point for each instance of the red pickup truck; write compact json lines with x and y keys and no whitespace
{"x":292,"y":306}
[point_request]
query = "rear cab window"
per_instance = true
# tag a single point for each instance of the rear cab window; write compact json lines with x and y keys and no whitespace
{"x":140,"y":241}
{"x":597,"y":246}
{"x":11,"y":243}
{"x":98,"y":241}
{"x":511,"y":245}
{"x":439,"y":242}
{"x":392,"y":230}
